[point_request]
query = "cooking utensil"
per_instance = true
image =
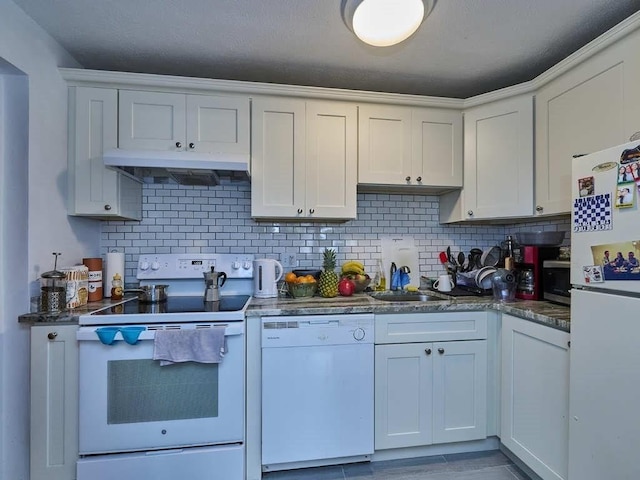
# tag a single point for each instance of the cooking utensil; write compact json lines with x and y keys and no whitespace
{"x":461,"y":259}
{"x":450,"y":257}
{"x":491,"y":257}
{"x":150,"y":293}
{"x":474,"y":261}
{"x":443,"y":258}
{"x":212,"y":282}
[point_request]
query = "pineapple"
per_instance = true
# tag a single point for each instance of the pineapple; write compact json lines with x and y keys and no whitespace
{"x":328,"y":282}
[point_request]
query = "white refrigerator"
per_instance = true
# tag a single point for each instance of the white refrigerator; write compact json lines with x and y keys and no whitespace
{"x":604,"y":405}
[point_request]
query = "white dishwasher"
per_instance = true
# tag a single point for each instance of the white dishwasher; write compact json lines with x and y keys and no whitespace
{"x":317,"y":389}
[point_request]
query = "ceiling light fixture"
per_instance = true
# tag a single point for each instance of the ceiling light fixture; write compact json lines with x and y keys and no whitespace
{"x":383,"y":23}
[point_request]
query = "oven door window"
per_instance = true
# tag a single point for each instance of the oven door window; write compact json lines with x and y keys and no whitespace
{"x":143,"y":391}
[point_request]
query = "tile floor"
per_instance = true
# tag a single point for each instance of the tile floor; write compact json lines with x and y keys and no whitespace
{"x":492,"y":465}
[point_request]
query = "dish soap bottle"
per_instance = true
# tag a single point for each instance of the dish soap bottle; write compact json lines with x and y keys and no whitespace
{"x":380,"y":280}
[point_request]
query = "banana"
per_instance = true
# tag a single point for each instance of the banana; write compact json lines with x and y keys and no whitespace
{"x":353,"y":266}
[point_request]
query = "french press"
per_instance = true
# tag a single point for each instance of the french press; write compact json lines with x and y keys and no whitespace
{"x":212,"y":282}
{"x":53,"y":289}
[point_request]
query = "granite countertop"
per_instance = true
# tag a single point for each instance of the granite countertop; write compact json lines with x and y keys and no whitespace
{"x":69,"y":317}
{"x":556,"y":316}
{"x":547,"y":313}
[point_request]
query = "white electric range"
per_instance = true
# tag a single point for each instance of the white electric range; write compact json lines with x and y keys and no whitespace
{"x":185,"y":419}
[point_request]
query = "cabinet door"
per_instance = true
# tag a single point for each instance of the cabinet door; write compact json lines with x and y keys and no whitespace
{"x":54,"y":402}
{"x":384,"y":145}
{"x":95,"y":190}
{"x":498,"y":149}
{"x":331,"y":159}
{"x":217,"y":124}
{"x":459,"y":391}
{"x":535,"y":395}
{"x":403,"y":401}
{"x":152,"y":121}
{"x":437,"y":147}
{"x":591,"y":107}
{"x":278,"y":182}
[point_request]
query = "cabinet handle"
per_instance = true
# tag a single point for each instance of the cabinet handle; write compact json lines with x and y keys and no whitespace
{"x":408,"y":179}
{"x":441,"y":351}
{"x":470,"y":213}
{"x":52,"y":335}
{"x":299,"y":210}
{"x":107,"y":207}
{"x":192,"y":146}
{"x":419,"y":179}
{"x":312,"y":211}
{"x":427,"y":351}
{"x":178,"y":144}
{"x":569,"y":344}
{"x":539,"y":208}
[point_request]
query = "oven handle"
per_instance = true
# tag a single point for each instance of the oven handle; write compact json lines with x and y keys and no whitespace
{"x":89,"y":333}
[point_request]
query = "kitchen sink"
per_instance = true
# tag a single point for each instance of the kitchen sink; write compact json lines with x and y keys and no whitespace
{"x":404,"y":297}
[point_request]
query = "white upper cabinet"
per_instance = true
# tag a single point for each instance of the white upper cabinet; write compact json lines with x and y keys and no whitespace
{"x":498,"y":163}
{"x":94,"y":190}
{"x":179,"y":122}
{"x":404,"y":146}
{"x":591,"y":107}
{"x":304,"y":159}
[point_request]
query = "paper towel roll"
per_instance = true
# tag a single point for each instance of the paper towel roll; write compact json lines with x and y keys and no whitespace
{"x":115,"y":264}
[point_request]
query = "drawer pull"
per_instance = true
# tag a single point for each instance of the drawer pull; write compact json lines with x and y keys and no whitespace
{"x":441,"y":351}
{"x":427,"y":351}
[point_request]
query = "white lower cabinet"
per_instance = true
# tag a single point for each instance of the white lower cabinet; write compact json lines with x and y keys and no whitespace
{"x":535,"y":395}
{"x":54,"y":402}
{"x":430,"y":392}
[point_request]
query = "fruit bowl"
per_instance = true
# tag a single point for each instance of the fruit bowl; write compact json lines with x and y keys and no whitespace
{"x":299,"y":290}
{"x":360,"y":281}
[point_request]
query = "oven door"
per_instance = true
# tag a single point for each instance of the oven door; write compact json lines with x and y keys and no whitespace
{"x":129,"y":402}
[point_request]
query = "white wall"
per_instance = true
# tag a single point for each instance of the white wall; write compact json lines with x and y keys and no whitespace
{"x":33,"y":215}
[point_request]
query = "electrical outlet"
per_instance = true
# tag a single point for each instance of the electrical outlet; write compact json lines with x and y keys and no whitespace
{"x":288,"y":260}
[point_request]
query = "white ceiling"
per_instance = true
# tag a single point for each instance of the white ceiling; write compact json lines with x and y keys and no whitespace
{"x":464,"y":48}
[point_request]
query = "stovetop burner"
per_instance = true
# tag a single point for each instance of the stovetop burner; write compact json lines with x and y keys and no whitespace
{"x":227,"y":303}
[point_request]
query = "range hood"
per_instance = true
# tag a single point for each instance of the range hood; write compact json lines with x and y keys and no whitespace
{"x":186,"y":168}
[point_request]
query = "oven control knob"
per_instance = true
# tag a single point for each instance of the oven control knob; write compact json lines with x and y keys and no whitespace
{"x":144,"y":266}
{"x":246,"y":265}
{"x":235,"y":265}
{"x":358,"y":334}
{"x":155,"y":266}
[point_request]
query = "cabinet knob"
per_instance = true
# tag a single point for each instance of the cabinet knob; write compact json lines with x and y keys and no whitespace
{"x":441,"y":351}
{"x":427,"y":351}
{"x":419,"y":179}
{"x":299,"y":211}
{"x":192,"y":145}
{"x":52,"y":335}
{"x":107,"y":207}
{"x":408,"y":179}
{"x":312,"y":211}
{"x":470,"y":213}
{"x":178,"y":144}
{"x":539,"y":208}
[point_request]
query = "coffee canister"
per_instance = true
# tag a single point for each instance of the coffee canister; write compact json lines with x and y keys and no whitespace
{"x":95,"y":278}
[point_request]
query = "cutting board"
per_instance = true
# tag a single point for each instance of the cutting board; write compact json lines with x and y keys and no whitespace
{"x":402,"y":251}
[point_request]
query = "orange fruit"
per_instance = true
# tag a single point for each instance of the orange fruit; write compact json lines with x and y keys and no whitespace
{"x":290,"y":277}
{"x":310,"y":278}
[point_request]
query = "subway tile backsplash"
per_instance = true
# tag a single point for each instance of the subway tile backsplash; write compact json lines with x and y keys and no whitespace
{"x":185,"y":219}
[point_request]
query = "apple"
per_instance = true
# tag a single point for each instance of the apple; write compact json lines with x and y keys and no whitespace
{"x":346,"y":287}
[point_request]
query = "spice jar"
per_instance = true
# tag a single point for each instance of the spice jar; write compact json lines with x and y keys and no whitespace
{"x":116,"y":287}
{"x":53,"y":289}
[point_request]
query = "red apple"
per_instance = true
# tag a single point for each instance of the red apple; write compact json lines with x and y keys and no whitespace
{"x":346,"y":287}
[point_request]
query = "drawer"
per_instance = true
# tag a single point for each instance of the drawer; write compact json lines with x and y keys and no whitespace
{"x":430,"y":327}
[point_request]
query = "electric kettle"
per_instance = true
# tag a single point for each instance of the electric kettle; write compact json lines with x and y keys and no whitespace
{"x":266,"y":272}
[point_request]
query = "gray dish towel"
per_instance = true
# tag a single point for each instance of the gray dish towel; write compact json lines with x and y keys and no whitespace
{"x":202,"y":345}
